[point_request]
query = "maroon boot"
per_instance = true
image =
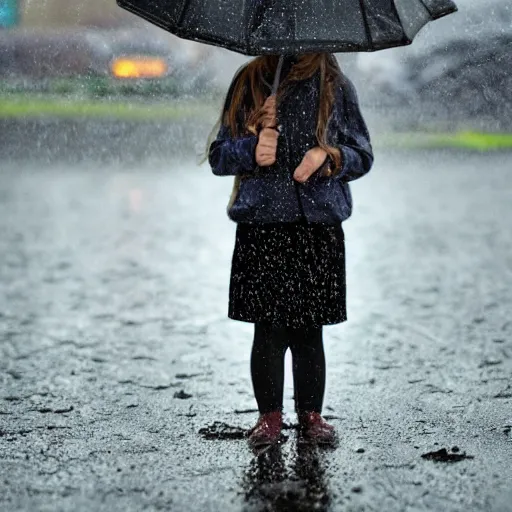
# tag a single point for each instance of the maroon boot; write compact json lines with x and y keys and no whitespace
{"x":315,"y":429}
{"x":267,"y":430}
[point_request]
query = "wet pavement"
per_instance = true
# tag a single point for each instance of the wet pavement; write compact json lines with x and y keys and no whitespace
{"x":124,"y":386}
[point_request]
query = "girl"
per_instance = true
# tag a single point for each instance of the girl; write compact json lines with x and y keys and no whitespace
{"x":292,"y":156}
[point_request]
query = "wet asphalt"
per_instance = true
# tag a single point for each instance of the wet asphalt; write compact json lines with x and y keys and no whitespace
{"x":117,"y":357}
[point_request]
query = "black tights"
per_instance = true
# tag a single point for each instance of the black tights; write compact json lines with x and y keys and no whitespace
{"x":267,"y":366}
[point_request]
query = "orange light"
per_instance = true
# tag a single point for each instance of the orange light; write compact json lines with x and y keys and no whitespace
{"x":139,"y":67}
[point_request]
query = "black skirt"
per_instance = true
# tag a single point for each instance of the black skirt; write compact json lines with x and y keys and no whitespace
{"x":288,"y":274}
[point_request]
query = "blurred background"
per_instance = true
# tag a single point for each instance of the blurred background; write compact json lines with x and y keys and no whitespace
{"x":77,"y":60}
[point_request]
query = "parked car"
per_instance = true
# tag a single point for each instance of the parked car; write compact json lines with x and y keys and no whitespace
{"x":459,"y":69}
{"x":117,"y":59}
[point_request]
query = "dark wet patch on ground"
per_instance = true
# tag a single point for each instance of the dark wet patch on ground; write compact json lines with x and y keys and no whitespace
{"x":183,"y":376}
{"x":222,"y":431}
{"x":188,"y":414}
{"x":14,"y":374}
{"x":182,"y":395}
{"x":160,"y":387}
{"x":443,"y":455}
{"x":56,"y":411}
{"x":506,"y":393}
{"x":143,"y":358}
{"x":490,"y":362}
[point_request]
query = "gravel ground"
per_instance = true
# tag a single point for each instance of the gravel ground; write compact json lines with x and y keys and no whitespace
{"x":115,"y":347}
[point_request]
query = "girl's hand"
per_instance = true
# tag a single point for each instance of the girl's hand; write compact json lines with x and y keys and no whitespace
{"x":269,"y":119}
{"x":266,"y":149}
{"x":312,"y":160}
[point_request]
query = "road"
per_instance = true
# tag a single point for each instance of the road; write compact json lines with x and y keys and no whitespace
{"x":116,"y":351}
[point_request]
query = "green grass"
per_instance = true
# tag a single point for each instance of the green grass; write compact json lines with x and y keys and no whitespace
{"x":21,"y":106}
{"x":462,"y":139}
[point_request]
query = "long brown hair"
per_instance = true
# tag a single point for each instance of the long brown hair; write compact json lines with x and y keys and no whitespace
{"x":252,"y":75}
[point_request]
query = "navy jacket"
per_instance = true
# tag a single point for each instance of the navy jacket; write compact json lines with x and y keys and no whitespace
{"x":270,"y":194}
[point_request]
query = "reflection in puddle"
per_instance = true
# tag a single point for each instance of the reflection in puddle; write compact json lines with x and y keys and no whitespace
{"x":269,"y":485}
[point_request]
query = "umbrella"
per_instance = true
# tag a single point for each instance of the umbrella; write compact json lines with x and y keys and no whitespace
{"x":258,"y":27}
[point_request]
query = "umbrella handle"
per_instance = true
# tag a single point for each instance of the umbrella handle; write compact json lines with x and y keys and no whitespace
{"x":277,"y":76}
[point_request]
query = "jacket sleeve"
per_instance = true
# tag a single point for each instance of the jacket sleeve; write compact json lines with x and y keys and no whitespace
{"x":229,"y":155}
{"x":348,"y":132}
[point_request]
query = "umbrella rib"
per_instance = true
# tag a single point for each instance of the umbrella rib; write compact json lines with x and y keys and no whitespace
{"x":431,"y":14}
{"x":183,"y":11}
{"x":406,"y":38}
{"x":366,"y":26}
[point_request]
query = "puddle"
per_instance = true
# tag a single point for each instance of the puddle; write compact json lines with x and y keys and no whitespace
{"x":222,"y":431}
{"x":443,"y":455}
{"x":182,"y":395}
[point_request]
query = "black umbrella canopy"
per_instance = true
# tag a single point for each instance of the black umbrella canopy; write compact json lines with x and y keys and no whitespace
{"x":257,"y":27}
